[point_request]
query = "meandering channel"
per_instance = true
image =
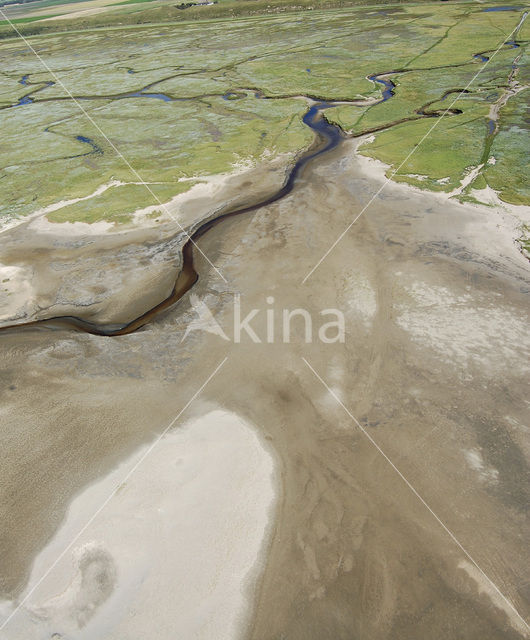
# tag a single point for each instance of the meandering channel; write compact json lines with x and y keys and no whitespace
{"x":328,"y":136}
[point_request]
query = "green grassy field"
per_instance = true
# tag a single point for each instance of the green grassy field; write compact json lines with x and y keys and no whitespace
{"x":27,"y":20}
{"x":112,"y":13}
{"x":209,"y":73}
{"x":116,"y":4}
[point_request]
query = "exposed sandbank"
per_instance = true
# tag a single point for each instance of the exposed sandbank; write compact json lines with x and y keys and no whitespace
{"x":115,"y":272}
{"x":179,"y":543}
{"x":352,"y":548}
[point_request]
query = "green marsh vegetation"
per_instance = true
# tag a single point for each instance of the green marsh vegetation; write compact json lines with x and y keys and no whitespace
{"x":199,"y":110}
{"x":27,"y":20}
{"x":121,"y":13}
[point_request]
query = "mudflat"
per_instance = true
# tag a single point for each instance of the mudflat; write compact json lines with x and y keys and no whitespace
{"x":401,"y":482}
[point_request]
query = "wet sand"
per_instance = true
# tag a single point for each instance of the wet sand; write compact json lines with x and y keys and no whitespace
{"x":434,"y":368}
{"x":174,"y":552}
{"x":113,"y":273}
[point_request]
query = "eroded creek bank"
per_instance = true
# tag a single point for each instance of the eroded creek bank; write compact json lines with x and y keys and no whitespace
{"x":327,"y":137}
{"x":135,"y":305}
{"x":434,"y":365}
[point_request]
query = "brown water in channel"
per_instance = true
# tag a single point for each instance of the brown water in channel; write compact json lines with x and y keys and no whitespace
{"x":328,"y":137}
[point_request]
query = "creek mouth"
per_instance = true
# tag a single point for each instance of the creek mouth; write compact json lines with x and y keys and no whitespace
{"x":329,"y":136}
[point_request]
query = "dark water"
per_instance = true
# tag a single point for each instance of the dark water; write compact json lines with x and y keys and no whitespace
{"x":329,"y":136}
{"x":140,"y":94}
{"x":389,"y":86}
{"x":491,"y":126}
{"x":481,"y":57}
{"x":330,"y":132}
{"x":90,"y":142}
{"x":502,"y":9}
{"x":24,"y":80}
{"x":24,"y":100}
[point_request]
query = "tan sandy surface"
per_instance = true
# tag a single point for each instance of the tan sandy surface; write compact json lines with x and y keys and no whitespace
{"x":433,"y":367}
{"x":112,"y":273}
{"x":192,"y":517}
